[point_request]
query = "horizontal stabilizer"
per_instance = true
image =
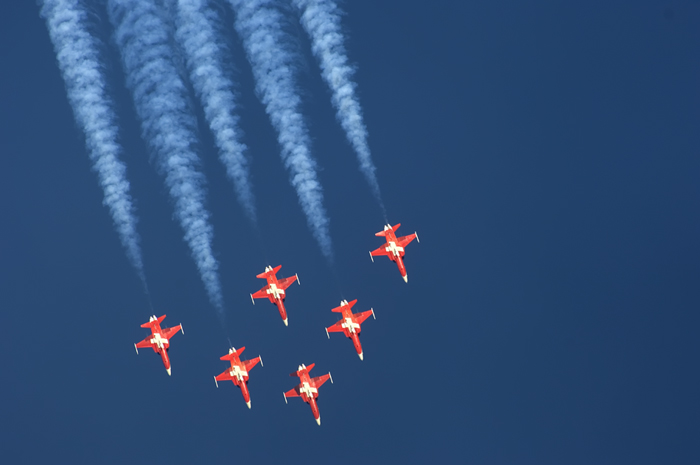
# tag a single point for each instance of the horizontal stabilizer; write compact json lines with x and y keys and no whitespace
{"x":392,"y":228}
{"x":231,"y":355}
{"x":308,"y":369}
{"x":153,"y":322}
{"x":340,"y":309}
{"x":265,"y":274}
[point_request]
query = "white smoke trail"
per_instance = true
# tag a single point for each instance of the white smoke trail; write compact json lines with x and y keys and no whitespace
{"x":259,"y":24}
{"x":201,"y":41}
{"x":161,"y":102}
{"x":321,"y":20}
{"x":81,"y":67}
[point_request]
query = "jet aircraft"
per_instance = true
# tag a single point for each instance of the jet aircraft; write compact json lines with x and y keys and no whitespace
{"x":394,"y":248}
{"x":307,"y":389}
{"x":274,"y":290}
{"x":159,"y":340}
{"x":350,"y":324}
{"x":238,"y":373}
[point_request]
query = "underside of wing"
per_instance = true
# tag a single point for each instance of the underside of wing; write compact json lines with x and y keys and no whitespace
{"x":294,"y":392}
{"x":363,"y":316}
{"x":225,"y":376}
{"x":318,"y":381}
{"x":380,"y":251}
{"x":249,"y":364}
{"x":405,"y":240}
{"x":286,"y":282}
{"x":261,"y":294}
{"x":170,"y":332}
{"x":146,"y":343}
{"x":336,"y":328}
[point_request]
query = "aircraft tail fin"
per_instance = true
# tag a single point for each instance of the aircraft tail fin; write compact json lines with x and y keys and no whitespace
{"x":265,"y":274}
{"x":151,"y":323}
{"x":308,"y":369}
{"x":390,"y":227}
{"x":231,"y":355}
{"x":340,"y":309}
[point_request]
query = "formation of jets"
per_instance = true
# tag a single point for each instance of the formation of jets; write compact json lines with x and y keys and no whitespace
{"x":349,"y":324}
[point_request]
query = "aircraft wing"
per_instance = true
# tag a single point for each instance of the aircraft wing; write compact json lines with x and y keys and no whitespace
{"x":336,"y":328}
{"x":286,"y":282}
{"x":380,"y":251}
{"x":319,"y":380}
{"x":170,"y":332}
{"x":249,"y":364}
{"x":146,"y":343}
{"x":363,"y":316}
{"x":405,"y":240}
{"x":225,"y":376}
{"x":261,"y":294}
{"x":294,"y":392}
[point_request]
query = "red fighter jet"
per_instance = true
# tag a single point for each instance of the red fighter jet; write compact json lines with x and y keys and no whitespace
{"x":394,"y":248}
{"x":350,"y":324}
{"x":238,"y":373}
{"x":275,"y":289}
{"x":159,"y":340}
{"x":308,"y":388}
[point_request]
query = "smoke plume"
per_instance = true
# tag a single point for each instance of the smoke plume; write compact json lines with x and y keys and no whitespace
{"x":82,"y":70}
{"x":167,"y":124}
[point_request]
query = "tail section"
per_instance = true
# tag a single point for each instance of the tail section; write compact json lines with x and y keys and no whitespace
{"x":388,"y":227}
{"x":343,"y":304}
{"x":301,"y":367}
{"x":153,"y":321}
{"x":269,"y":271}
{"x":232,"y":354}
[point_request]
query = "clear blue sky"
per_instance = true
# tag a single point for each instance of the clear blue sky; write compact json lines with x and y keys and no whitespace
{"x":548,"y":156}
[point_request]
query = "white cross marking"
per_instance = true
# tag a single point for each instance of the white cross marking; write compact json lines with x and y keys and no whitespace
{"x":236,"y":372}
{"x":394,"y":249}
{"x":307,"y":389}
{"x":350,"y":325}
{"x":274,"y":290}
{"x":159,"y":341}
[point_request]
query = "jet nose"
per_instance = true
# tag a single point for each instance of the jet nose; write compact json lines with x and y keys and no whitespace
{"x":318,"y":420}
{"x":405,"y":277}
{"x":169,"y":370}
{"x":286,"y":321}
{"x":248,"y":404}
{"x":361,"y":356}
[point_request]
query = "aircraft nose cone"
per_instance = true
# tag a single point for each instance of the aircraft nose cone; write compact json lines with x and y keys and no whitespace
{"x":169,"y":370}
{"x":405,"y":277}
{"x":361,"y":356}
{"x":318,"y":420}
{"x":248,"y":404}
{"x":286,"y":321}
